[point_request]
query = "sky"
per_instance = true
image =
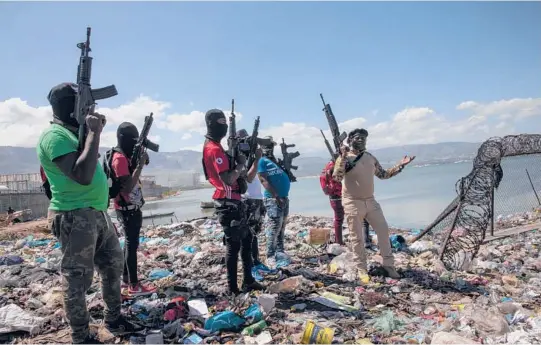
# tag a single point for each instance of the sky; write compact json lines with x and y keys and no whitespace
{"x":410,"y":73}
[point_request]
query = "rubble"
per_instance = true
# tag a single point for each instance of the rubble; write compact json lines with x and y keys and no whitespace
{"x":315,"y":296}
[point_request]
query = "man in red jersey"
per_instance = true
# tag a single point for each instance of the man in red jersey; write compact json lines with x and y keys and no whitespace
{"x":225,"y":175}
{"x":128,"y":204}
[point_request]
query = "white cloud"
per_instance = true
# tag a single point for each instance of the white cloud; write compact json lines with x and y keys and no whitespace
{"x":517,"y":108}
{"x":21,"y":124}
{"x":192,"y":122}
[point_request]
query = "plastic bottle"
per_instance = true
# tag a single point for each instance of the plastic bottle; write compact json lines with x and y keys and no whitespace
{"x":255,"y":328}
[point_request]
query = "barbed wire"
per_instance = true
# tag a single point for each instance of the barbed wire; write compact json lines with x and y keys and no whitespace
{"x":466,"y":219}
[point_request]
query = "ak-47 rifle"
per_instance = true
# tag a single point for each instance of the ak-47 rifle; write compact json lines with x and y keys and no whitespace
{"x":333,"y":157}
{"x":86,"y":97}
{"x":286,"y":162}
{"x":337,"y":138}
{"x":253,"y":144}
{"x":143,"y":142}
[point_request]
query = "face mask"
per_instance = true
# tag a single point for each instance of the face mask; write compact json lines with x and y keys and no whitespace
{"x":127,"y":135}
{"x":216,"y":124}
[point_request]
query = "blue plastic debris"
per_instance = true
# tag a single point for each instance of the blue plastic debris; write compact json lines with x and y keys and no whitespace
{"x":253,"y":314}
{"x":156,"y":274}
{"x":189,"y":249}
{"x":398,"y":243}
{"x":193,"y":338}
{"x":224,"y":321}
{"x":38,"y":243}
{"x":282,"y":260}
{"x":9,"y":260}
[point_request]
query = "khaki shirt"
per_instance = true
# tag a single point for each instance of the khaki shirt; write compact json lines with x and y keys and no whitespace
{"x":358,"y":183}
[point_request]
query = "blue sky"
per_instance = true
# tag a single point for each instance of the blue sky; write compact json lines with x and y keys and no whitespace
{"x":370,"y":60}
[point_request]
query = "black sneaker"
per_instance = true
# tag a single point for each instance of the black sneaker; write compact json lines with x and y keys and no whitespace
{"x":90,"y":340}
{"x":254,"y":286}
{"x":122,"y":326}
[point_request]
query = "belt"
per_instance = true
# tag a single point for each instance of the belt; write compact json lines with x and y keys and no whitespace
{"x":130,"y":208}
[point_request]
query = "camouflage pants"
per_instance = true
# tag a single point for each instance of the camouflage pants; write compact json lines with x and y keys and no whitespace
{"x":87,"y":238}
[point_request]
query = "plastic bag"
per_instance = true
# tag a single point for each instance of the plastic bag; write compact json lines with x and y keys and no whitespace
{"x":224,"y":321}
{"x":13,"y":318}
{"x":387,"y":323}
{"x":156,"y":274}
{"x":253,"y":314}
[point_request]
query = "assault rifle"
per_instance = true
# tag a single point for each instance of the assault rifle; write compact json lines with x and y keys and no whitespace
{"x":143,"y":142}
{"x":253,"y":144}
{"x":337,"y":138}
{"x":333,"y":154}
{"x":287,"y":160}
{"x":86,"y":97}
{"x":233,"y":140}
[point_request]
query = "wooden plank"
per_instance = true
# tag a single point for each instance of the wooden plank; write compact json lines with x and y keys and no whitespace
{"x":499,"y":234}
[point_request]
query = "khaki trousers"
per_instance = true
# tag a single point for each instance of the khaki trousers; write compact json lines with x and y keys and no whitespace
{"x":356,"y":211}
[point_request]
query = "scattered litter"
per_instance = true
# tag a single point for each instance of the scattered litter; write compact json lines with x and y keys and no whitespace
{"x":496,"y":301}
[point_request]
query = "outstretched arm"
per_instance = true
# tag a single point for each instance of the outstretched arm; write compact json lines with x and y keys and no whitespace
{"x":384,"y":174}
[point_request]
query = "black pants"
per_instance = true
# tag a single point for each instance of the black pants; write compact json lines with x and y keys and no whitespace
{"x":131,"y":221}
{"x":238,"y":238}
{"x":256,"y":215}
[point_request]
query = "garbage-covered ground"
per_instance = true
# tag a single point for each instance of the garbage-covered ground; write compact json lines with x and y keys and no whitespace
{"x":497,"y":301}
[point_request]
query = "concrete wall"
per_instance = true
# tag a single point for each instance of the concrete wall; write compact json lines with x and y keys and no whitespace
{"x":37,"y":202}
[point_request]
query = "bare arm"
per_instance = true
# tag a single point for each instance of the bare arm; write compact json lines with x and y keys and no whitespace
{"x":80,"y":167}
{"x":252,"y":172}
{"x":129,"y":182}
{"x":267,"y":185}
{"x":230,"y":177}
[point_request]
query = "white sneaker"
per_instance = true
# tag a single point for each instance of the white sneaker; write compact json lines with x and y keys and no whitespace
{"x":271,"y":263}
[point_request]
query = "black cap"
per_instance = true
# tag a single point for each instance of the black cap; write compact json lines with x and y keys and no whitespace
{"x":62,"y":99}
{"x":360,"y":131}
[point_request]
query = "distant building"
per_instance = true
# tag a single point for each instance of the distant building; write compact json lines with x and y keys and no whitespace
{"x":151,"y":188}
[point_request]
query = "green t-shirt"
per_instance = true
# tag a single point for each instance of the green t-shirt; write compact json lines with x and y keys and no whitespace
{"x":67,"y":194}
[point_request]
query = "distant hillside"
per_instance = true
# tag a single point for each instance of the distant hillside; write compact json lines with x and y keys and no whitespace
{"x":24,"y":160}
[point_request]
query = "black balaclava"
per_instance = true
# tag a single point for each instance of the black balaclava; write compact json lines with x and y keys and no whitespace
{"x":62,"y":100}
{"x":127,"y":135}
{"x":216,"y":127}
{"x":357,"y":139}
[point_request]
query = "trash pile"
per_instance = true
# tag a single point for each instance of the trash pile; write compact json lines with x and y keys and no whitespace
{"x":313,"y":296}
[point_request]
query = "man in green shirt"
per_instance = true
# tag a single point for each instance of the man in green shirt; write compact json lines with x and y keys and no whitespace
{"x":78,"y":215}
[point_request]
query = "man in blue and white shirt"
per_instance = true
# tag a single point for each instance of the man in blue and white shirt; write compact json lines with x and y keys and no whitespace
{"x":276,"y":198}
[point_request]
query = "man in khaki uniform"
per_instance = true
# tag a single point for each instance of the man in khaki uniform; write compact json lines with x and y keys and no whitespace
{"x":356,"y":168}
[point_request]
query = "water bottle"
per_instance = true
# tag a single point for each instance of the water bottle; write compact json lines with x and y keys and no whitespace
{"x":255,"y":328}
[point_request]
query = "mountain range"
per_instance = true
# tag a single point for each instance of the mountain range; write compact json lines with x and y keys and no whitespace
{"x":24,"y":160}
